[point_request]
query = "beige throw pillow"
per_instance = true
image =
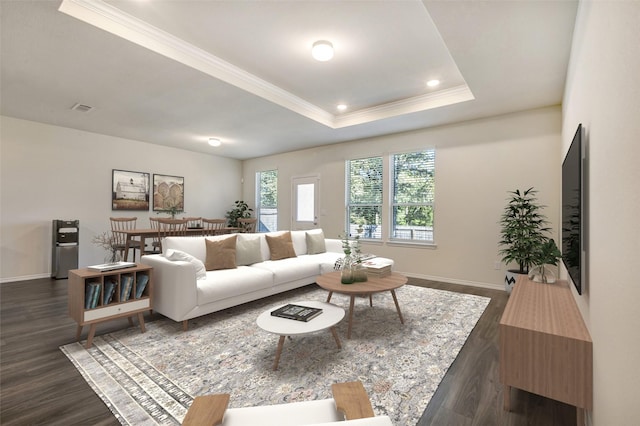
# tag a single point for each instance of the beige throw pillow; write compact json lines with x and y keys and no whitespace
{"x":221,"y":254}
{"x":248,"y":250}
{"x":281,"y":246}
{"x":315,"y":243}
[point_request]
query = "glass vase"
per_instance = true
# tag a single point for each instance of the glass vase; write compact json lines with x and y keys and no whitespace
{"x":542,"y":274}
{"x":347,"y":271}
{"x":112,"y":257}
{"x":359,"y":272}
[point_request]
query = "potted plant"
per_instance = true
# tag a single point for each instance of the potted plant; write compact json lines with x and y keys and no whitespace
{"x":172,"y":211}
{"x":523,"y":229}
{"x":240,"y":211}
{"x":548,"y":254}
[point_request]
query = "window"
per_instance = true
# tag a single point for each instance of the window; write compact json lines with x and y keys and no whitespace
{"x":413,"y":183}
{"x":267,"y":200}
{"x":364,"y":196}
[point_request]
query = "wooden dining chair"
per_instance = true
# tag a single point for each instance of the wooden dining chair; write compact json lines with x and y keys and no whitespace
{"x":247,"y":224}
{"x":213,"y":226}
{"x":118,"y":227}
{"x":156,"y":247}
{"x":193,"y":222}
{"x":172,"y":228}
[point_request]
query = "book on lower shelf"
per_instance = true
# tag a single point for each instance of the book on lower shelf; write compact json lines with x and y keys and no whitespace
{"x":110,"y":285}
{"x":141,"y":284}
{"x":91,"y":294}
{"x":297,"y":312}
{"x":126,"y":282}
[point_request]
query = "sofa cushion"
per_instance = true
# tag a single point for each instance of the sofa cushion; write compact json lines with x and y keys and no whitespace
{"x":315,"y":242}
{"x":174,"y":255}
{"x":221,"y":254}
{"x":280,"y":246}
{"x":290,"y":269}
{"x":225,"y":283}
{"x":248,"y":249}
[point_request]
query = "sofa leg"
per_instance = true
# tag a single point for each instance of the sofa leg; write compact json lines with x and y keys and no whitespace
{"x":185,"y":325}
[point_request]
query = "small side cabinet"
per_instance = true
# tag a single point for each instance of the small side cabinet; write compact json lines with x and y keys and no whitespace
{"x":96,"y":296}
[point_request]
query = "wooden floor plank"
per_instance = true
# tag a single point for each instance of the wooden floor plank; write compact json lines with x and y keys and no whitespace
{"x":39,"y":385}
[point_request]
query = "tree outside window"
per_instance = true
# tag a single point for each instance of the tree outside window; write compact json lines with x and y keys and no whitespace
{"x":267,"y":200}
{"x":413,"y":183}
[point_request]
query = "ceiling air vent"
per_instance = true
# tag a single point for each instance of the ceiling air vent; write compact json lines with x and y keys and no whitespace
{"x":82,"y":108}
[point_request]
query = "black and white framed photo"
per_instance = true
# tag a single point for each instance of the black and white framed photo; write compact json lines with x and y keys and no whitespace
{"x":129,"y":190}
{"x":168,"y":193}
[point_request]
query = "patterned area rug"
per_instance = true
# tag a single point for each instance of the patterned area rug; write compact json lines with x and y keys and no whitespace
{"x":152,"y":378}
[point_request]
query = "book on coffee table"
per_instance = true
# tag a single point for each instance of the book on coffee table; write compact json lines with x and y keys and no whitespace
{"x":377,"y":269}
{"x":297,"y":312}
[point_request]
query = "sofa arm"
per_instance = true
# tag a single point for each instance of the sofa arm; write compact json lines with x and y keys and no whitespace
{"x":175,"y":291}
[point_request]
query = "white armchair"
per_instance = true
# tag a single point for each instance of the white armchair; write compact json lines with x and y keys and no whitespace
{"x":350,"y":404}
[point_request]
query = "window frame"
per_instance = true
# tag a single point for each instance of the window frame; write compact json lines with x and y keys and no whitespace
{"x":393,"y":203}
{"x":377,"y":232}
{"x":385,"y":228}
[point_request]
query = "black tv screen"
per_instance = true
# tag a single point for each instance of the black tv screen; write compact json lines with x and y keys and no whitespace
{"x":572,"y":217}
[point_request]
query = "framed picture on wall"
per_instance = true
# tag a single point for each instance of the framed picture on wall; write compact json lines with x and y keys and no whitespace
{"x":129,"y":190}
{"x":168,"y":194}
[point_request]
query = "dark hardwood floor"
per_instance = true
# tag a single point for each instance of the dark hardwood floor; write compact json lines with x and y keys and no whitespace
{"x":39,"y":385}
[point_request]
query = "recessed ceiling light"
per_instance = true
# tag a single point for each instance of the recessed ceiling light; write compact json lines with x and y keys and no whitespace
{"x":322,"y":50}
{"x":341,"y":107}
{"x":433,"y":83}
{"x":214,"y":142}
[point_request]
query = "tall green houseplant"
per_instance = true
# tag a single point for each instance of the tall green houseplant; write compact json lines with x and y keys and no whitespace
{"x":241,"y":210}
{"x":523,"y":230}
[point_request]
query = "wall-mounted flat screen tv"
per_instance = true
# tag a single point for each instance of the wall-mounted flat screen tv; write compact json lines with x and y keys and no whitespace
{"x":572,"y":213}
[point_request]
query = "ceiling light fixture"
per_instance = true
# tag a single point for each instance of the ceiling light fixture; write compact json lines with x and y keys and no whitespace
{"x":341,"y":107}
{"x":433,"y":83}
{"x":322,"y":50}
{"x":214,"y":142}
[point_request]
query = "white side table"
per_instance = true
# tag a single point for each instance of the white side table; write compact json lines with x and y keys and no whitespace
{"x":330,"y":316}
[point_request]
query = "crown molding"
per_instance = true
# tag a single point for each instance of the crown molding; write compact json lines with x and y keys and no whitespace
{"x":437,"y":99}
{"x":113,"y":20}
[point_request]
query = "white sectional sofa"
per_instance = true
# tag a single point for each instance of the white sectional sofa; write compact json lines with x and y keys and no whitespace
{"x":183,"y":290}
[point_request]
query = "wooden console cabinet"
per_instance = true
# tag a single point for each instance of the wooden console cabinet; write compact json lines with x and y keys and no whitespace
{"x":545,"y":347}
{"x":107,"y":308}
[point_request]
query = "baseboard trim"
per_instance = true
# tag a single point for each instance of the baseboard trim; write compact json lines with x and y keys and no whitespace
{"x":492,"y":286}
{"x":24,"y":278}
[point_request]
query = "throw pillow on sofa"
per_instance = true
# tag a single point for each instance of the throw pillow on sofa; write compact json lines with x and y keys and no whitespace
{"x":281,"y":246}
{"x":174,"y":255}
{"x":221,"y":254}
{"x":248,"y":249}
{"x":315,"y":243}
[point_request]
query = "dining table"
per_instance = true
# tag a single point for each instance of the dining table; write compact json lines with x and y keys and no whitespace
{"x":144,"y":233}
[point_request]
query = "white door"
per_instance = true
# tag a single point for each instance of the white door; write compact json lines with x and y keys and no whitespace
{"x":305,"y":202}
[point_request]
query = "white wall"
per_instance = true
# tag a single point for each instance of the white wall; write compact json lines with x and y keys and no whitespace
{"x":603,"y":93}
{"x":477,"y":162}
{"x":49,"y":172}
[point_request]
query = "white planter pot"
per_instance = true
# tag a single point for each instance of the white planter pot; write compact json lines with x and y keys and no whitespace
{"x":510,"y":279}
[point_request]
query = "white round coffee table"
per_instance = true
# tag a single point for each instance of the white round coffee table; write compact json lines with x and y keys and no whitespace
{"x":330,"y":316}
